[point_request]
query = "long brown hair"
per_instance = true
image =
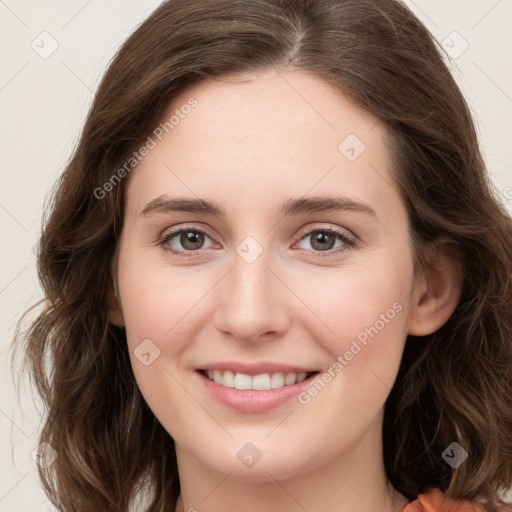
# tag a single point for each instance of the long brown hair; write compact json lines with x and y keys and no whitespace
{"x":453,"y":386}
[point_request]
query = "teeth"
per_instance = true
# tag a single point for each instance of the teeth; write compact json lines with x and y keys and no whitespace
{"x":228,"y":379}
{"x":289,"y":379}
{"x":277,"y":380}
{"x":243,"y":381}
{"x":261,"y":382}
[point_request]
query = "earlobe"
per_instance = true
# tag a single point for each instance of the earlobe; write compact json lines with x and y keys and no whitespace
{"x":437,"y":295}
{"x":115,"y":314}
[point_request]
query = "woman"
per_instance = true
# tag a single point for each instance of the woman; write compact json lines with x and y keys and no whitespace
{"x":276,"y":274}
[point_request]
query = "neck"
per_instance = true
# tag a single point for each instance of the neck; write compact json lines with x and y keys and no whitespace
{"x":387,"y":500}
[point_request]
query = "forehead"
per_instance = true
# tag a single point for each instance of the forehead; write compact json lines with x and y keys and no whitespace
{"x":251,"y":113}
{"x":275,"y":133}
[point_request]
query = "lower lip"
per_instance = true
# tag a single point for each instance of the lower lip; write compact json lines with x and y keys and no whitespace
{"x":249,"y":400}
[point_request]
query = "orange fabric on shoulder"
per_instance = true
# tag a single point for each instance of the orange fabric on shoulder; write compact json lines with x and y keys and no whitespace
{"x":433,"y":500}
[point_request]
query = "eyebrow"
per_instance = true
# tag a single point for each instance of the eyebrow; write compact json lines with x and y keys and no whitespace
{"x":291,"y":206}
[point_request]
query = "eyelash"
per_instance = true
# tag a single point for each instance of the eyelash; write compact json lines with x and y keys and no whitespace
{"x":348,"y":241}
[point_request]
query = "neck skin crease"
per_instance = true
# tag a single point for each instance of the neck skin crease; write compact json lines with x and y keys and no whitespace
{"x":355,"y":481}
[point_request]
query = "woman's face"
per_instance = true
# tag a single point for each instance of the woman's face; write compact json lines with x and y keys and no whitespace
{"x":306,"y":266}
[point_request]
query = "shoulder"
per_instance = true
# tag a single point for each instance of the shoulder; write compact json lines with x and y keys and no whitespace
{"x":433,"y":500}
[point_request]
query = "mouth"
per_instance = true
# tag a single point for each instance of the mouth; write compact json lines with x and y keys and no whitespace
{"x":259,"y":382}
{"x":255,"y":387}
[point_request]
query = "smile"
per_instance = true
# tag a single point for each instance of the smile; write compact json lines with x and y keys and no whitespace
{"x":260,"y":382}
{"x":255,"y":391}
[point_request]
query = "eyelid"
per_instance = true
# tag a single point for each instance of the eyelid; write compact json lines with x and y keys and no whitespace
{"x":169,"y":230}
{"x":326,"y":227}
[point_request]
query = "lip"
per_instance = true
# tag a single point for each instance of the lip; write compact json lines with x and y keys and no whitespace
{"x":256,"y":368}
{"x":249,"y":400}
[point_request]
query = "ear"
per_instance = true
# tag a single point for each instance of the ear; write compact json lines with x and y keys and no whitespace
{"x":115,"y":313}
{"x":438,"y":292}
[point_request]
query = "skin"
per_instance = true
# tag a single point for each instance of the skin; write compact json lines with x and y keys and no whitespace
{"x":248,"y":145}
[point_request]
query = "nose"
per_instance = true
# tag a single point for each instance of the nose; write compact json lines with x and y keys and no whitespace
{"x":253,"y":301}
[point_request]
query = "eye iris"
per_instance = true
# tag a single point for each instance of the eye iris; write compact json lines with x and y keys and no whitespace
{"x":320,"y":238}
{"x":191,"y":237}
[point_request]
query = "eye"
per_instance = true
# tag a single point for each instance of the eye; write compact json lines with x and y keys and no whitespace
{"x":324,"y":240}
{"x":190,"y":239}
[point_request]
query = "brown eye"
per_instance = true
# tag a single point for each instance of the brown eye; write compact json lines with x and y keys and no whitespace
{"x":184,"y":241}
{"x":191,"y":240}
{"x":328,"y":241}
{"x":322,"y":241}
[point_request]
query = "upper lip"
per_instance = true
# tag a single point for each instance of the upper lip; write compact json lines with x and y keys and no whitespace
{"x":256,"y":368}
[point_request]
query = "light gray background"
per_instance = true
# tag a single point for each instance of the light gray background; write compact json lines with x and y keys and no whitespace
{"x":43,"y":103}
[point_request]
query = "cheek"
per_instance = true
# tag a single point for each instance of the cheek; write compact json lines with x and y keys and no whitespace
{"x":159,"y":302}
{"x":164,"y":309}
{"x":365,"y":303}
{"x":364,"y":313}
{"x":160,"y":321}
